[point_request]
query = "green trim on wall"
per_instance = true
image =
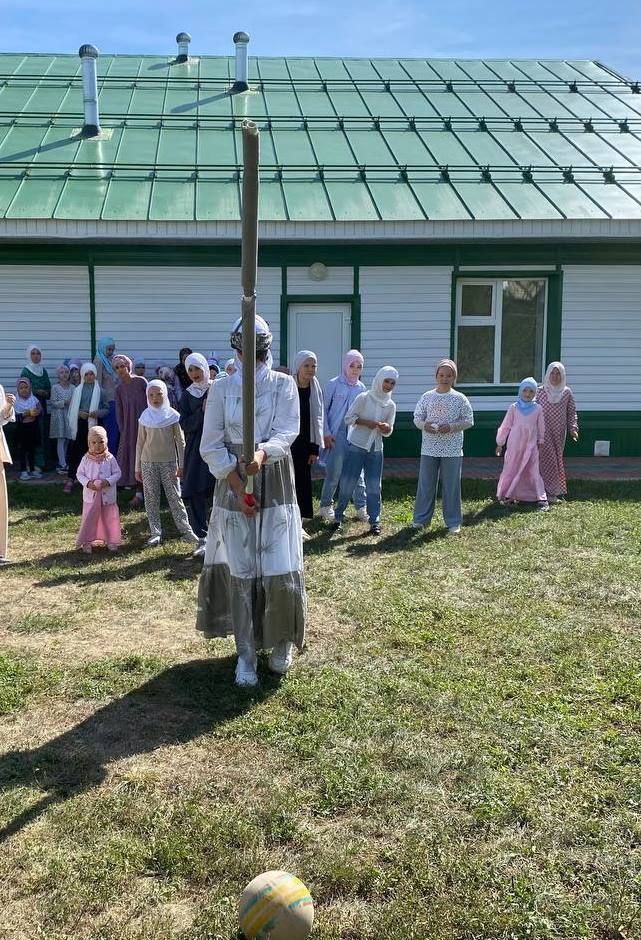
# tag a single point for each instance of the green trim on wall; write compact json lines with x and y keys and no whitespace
{"x":92,"y":308}
{"x":455,"y":276}
{"x":554,"y":321}
{"x":166,"y":253}
{"x":287,"y":299}
{"x":355,"y":332}
{"x":621,"y":428}
{"x":284,"y":319}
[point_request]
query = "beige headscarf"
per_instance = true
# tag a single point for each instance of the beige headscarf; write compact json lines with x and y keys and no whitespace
{"x":554,"y":392}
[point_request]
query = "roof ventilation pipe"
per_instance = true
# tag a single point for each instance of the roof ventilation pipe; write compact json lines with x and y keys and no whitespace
{"x":88,"y":55}
{"x":183,"y":40}
{"x":241,"y":41}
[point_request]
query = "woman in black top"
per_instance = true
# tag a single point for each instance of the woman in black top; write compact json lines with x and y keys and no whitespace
{"x":306,"y":447}
{"x":181,"y":370}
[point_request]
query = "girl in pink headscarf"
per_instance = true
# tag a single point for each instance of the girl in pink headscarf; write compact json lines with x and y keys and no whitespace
{"x":339,"y":394}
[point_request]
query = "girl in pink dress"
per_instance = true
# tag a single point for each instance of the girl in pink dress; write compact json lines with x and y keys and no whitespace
{"x":99,"y":473}
{"x":523,"y":428}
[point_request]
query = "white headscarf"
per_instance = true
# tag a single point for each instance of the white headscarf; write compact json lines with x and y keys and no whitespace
{"x":554,"y":392}
{"x":315,"y":396}
{"x":376,"y":391}
{"x":36,"y":368}
{"x":198,"y":389}
{"x":74,"y":407}
{"x":159,"y":416}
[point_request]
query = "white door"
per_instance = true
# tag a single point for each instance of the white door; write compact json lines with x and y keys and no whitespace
{"x":324,"y":329}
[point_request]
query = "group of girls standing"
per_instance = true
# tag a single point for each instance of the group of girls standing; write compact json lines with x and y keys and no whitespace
{"x":345,"y":426}
{"x":152,"y":454}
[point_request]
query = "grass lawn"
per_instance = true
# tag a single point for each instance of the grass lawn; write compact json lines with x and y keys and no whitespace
{"x":456,"y":755}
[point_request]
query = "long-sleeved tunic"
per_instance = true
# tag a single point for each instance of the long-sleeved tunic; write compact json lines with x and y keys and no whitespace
{"x":252,"y":578}
{"x":560,"y":420}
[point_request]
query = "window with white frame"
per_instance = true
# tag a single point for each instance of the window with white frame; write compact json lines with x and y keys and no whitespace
{"x":500,"y":329}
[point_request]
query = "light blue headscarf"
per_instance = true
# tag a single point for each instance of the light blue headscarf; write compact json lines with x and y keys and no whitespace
{"x":103,"y":342}
{"x":526,"y":407}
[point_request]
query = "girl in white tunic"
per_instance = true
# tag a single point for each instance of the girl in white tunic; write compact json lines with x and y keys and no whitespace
{"x":252,"y":583}
{"x":442,"y":414}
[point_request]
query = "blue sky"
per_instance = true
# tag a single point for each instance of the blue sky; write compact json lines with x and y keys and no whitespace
{"x":377,"y":28}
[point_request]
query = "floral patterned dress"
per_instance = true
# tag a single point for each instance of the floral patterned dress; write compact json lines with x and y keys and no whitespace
{"x":560,"y":420}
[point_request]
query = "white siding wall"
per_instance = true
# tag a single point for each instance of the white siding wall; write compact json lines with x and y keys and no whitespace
{"x":601,"y":335}
{"x":43,"y":304}
{"x":405,"y":322}
{"x":338,"y":281}
{"x":154,"y":311}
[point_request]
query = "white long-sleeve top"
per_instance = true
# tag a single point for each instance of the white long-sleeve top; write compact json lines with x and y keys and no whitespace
{"x":277,"y":421}
{"x":451,"y":408}
{"x":107,"y":470}
{"x":366,"y":406}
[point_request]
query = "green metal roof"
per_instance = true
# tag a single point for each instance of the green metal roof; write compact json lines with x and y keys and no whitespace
{"x":341,"y":139}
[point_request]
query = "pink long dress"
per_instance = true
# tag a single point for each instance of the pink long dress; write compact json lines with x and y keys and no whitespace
{"x":521,"y":478}
{"x":100,"y":515}
{"x":560,"y":420}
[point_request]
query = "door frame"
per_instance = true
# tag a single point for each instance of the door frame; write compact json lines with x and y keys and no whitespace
{"x":352,"y":300}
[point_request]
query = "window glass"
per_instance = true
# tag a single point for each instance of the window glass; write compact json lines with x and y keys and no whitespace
{"x":522,"y":325}
{"x":476,"y":300}
{"x":475,"y":354}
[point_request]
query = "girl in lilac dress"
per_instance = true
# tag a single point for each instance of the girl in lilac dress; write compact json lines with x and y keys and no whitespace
{"x":523,"y":428}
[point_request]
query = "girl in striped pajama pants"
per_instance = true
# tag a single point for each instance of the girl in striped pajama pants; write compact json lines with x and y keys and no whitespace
{"x":160,"y":454}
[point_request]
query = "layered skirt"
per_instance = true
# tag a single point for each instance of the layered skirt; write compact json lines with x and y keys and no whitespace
{"x":252,"y":579}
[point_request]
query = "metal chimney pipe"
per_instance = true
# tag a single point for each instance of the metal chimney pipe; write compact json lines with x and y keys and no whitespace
{"x":183,"y":40}
{"x":241,"y":41}
{"x":88,"y":55}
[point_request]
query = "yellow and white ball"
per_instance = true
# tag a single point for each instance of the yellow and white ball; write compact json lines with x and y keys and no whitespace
{"x":276,"y":906}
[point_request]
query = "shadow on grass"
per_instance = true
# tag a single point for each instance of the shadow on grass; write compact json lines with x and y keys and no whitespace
{"x":176,"y":706}
{"x":82,"y":569}
{"x":361,"y":543}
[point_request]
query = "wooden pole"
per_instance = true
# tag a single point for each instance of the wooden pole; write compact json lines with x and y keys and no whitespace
{"x":249,"y":265}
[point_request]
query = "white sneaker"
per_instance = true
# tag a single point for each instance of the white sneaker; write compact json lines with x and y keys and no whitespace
{"x":416,"y":525}
{"x":327,"y":513}
{"x":246,"y":672}
{"x":282,"y":657}
{"x":361,"y":514}
{"x":198,"y":552}
{"x":37,"y":473}
{"x":454,"y":530}
{"x":154,"y":541}
{"x":25,"y":475}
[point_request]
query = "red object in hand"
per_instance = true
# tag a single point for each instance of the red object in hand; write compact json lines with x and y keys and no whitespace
{"x":250,"y":499}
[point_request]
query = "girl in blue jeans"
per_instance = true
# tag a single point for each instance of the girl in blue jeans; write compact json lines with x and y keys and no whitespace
{"x":369,"y":419}
{"x":442,"y":414}
{"x":339,"y":394}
